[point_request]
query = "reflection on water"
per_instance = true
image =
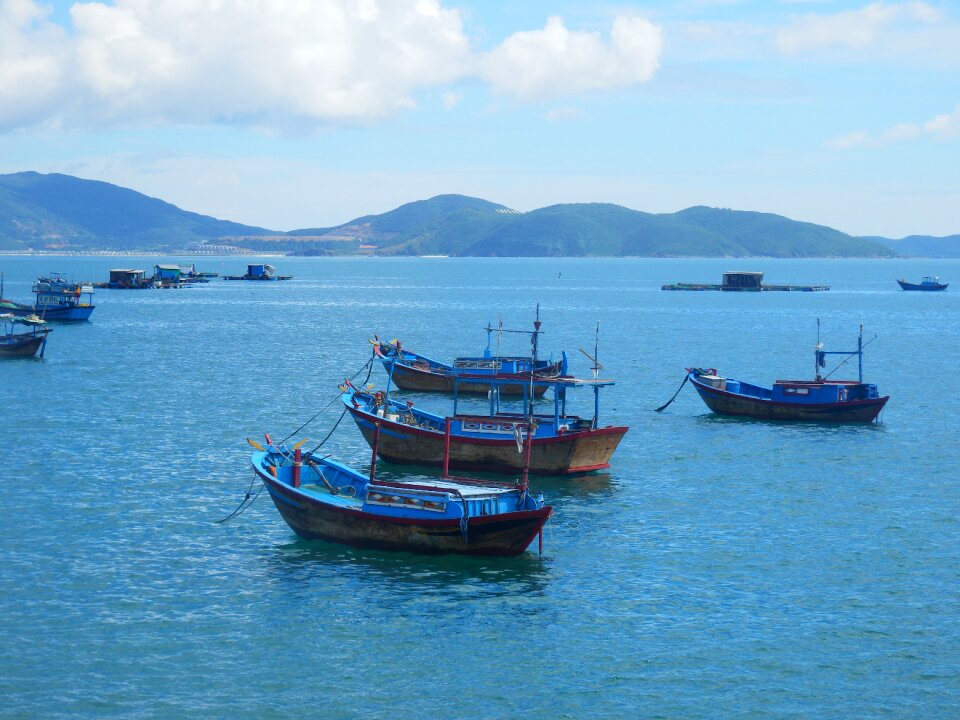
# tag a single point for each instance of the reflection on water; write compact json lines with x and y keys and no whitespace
{"x":374,"y":574}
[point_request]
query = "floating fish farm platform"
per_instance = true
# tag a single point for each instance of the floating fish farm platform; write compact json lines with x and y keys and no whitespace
{"x":744,"y":282}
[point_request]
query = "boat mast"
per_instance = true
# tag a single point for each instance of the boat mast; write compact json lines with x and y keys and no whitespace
{"x":376,"y":444}
{"x":534,"y":338}
{"x":860,"y":355}
{"x":527,"y":450}
{"x":596,"y":375}
{"x":817,"y":355}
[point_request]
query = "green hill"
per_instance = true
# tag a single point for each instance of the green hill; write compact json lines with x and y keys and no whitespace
{"x":60,"y":211}
{"x":597,"y":229}
{"x":924,"y":246}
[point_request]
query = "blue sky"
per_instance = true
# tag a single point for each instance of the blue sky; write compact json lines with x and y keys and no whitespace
{"x":307,"y":113}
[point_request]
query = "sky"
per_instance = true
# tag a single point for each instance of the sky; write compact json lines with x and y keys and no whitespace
{"x":290,"y":114}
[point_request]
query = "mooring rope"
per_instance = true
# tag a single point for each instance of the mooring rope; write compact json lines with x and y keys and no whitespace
{"x":250,"y":495}
{"x":240,"y":507}
{"x":667,"y":403}
{"x":368,"y":366}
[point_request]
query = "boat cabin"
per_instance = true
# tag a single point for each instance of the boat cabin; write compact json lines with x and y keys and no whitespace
{"x":742,"y":281}
{"x":826,"y":391}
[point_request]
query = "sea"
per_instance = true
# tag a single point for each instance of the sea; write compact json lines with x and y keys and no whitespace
{"x":721,"y":568}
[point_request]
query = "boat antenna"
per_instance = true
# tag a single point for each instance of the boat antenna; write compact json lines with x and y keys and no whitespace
{"x":597,"y":365}
{"x":858,"y":352}
{"x":596,"y":352}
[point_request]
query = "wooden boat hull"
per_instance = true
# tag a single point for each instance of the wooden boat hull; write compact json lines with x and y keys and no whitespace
{"x":21,"y":346}
{"x":570,"y":453}
{"x":499,"y":535}
{"x":923,"y":288}
{"x":407,"y":377}
{"x":727,"y":403}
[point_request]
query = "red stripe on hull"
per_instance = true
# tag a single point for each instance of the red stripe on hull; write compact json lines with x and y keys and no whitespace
{"x":570,"y":453}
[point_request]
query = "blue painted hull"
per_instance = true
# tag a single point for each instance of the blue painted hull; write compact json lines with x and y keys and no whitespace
{"x":392,"y":516}
{"x":66,"y":313}
{"x":923,"y":287}
{"x":723,"y":402}
{"x":470,"y":375}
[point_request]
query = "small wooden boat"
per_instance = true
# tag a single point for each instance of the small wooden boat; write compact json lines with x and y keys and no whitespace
{"x":412,"y":371}
{"x":322,"y":499}
{"x":562,"y":444}
{"x":259,"y":272}
{"x":56,"y":299}
{"x":24,"y":344}
{"x":928,"y":284}
{"x":819,"y":400}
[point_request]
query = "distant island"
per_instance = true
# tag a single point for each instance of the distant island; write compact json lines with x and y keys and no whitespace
{"x":61,"y":213}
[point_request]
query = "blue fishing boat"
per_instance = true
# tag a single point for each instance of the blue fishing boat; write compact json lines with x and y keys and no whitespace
{"x":562,"y":443}
{"x":56,"y":299}
{"x":320,"y":498}
{"x":23,"y":344}
{"x":411,"y":371}
{"x":820,"y":399}
{"x":929,"y":283}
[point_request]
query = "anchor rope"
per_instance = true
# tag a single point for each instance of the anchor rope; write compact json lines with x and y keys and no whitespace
{"x":368,"y":366}
{"x":249,"y":496}
{"x":240,"y":508}
{"x":667,"y":403}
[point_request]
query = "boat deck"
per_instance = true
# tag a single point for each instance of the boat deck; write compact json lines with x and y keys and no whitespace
{"x":341,"y":499}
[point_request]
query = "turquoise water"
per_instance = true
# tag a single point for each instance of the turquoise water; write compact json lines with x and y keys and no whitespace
{"x":721,"y":568}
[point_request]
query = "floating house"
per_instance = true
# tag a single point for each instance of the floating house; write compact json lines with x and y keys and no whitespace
{"x":259,"y":272}
{"x":744,"y":281}
{"x":125,"y":279}
{"x":168,"y":275}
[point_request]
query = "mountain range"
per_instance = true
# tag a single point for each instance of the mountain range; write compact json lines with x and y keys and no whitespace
{"x":63,"y":213}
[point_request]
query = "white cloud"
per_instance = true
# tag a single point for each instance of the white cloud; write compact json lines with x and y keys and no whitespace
{"x":282,"y":63}
{"x":941,"y":128}
{"x":854,"y":29}
{"x":208,"y":60}
{"x":323,"y":60}
{"x":556,"y":61}
{"x":31,"y":62}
